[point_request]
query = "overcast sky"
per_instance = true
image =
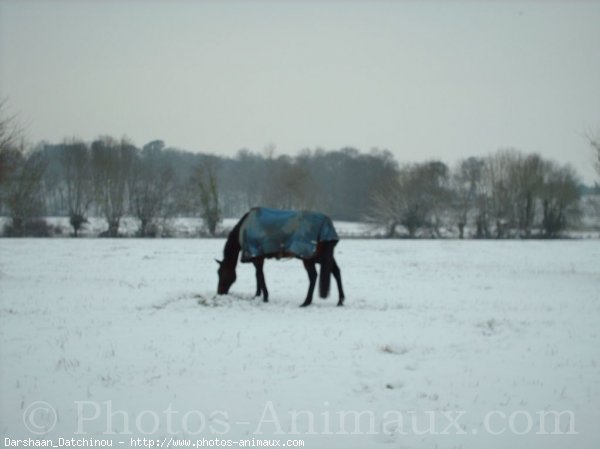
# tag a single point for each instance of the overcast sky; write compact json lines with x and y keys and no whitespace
{"x":425,"y":80}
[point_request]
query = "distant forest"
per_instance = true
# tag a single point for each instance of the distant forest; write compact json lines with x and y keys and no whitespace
{"x":503,"y":195}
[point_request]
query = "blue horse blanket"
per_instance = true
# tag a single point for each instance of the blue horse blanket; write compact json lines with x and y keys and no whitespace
{"x":282,"y":233}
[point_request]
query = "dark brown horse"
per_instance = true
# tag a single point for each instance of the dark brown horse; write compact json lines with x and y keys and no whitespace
{"x":308,"y":236}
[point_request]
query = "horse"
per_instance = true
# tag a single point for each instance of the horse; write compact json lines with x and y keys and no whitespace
{"x":264,"y":233}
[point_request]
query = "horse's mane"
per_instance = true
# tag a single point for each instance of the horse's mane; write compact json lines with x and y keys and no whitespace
{"x":232,"y":245}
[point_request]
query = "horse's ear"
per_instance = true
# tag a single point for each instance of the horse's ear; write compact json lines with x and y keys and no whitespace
{"x":219,"y":262}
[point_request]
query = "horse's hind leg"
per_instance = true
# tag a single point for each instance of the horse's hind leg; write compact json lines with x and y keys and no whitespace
{"x":312,"y":277}
{"x":337,"y":274}
{"x":261,"y":285}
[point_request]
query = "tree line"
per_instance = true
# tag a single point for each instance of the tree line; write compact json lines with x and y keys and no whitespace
{"x":112,"y":178}
{"x":507,"y":194}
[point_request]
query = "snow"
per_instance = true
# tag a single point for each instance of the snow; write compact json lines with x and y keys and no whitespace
{"x":125,"y":338}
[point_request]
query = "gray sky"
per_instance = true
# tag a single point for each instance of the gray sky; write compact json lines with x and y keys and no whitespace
{"x":425,"y":80}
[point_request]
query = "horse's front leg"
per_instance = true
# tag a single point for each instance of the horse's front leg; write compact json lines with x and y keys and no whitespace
{"x":312,"y":277}
{"x":261,"y":285}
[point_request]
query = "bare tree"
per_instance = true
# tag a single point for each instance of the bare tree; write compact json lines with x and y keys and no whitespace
{"x":22,"y":192}
{"x":466,"y":185}
{"x":498,"y":175}
{"x":206,"y":183}
{"x":111,"y":168}
{"x":77,"y":174}
{"x":525,"y":192}
{"x":560,"y":199}
{"x":385,"y":206}
{"x":21,"y":175}
{"x":413,"y":212}
{"x":10,"y":136}
{"x":528,"y":181}
{"x":413,"y":199}
{"x":594,"y":141}
{"x":152,"y":187}
{"x":434,"y":177}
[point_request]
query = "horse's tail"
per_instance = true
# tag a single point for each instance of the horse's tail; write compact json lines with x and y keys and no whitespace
{"x":326,"y":266}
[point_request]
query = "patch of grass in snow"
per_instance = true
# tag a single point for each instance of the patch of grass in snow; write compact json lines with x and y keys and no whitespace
{"x":67,"y":364}
{"x":489,"y":327}
{"x":395,"y":349}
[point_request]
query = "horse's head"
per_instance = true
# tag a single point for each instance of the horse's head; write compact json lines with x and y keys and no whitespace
{"x":226,"y":278}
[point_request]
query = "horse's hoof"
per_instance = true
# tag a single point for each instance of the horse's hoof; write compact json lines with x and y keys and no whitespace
{"x":305,"y":304}
{"x":340,"y":304}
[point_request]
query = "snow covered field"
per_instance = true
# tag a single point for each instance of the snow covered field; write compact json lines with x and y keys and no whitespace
{"x":441,"y":344}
